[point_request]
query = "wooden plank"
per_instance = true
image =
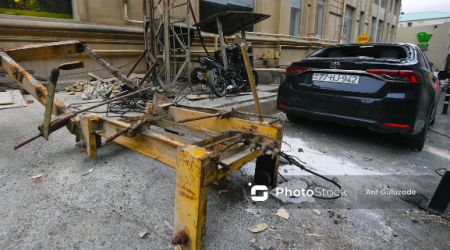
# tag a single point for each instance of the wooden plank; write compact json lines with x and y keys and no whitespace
{"x":5,"y":98}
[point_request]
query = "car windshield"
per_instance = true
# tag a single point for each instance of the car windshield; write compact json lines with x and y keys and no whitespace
{"x":367,"y":52}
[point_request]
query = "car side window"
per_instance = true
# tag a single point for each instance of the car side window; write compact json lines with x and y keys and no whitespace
{"x":423,"y":60}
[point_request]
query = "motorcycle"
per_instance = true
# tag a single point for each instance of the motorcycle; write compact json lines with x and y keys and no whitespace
{"x":224,"y":81}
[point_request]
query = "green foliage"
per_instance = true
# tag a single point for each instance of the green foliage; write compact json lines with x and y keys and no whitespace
{"x":52,"y":6}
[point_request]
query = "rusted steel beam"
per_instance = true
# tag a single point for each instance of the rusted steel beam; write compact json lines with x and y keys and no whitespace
{"x":133,"y":127}
{"x":63,"y":120}
{"x":137,"y":63}
{"x":43,"y":50}
{"x":108,"y":67}
{"x":25,"y":80}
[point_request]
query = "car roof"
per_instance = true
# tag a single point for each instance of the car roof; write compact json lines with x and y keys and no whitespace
{"x":370,"y":44}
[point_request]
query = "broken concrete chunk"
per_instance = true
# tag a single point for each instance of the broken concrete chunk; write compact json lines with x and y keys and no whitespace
{"x":36,"y":176}
{"x":316,"y":211}
{"x":143,"y":234}
{"x":283,"y":213}
{"x":253,"y":241}
{"x":258,"y":228}
{"x":177,"y":247}
{"x":228,"y":178}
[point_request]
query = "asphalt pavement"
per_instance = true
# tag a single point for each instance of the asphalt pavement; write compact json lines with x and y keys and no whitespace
{"x":128,"y":193}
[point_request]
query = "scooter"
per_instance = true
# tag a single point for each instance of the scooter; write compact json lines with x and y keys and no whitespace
{"x":224,"y":81}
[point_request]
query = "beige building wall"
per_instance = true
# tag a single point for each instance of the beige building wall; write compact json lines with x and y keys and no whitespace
{"x":438,"y":49}
{"x":102,"y":24}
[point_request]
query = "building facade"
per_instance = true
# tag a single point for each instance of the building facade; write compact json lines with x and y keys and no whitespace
{"x":295,"y":29}
{"x":431,"y":32}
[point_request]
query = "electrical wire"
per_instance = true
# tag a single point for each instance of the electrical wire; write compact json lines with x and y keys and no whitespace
{"x":440,"y":169}
{"x":292,"y":160}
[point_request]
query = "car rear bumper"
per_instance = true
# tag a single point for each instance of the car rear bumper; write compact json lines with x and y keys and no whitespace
{"x":372,"y":113}
{"x":347,"y":120}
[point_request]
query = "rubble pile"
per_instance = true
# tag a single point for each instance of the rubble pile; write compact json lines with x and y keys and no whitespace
{"x":104,"y":88}
{"x":95,"y":88}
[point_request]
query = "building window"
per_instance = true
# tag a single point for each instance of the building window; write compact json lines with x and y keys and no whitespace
{"x":372,"y":28}
{"x":375,"y":1}
{"x":51,"y":9}
{"x":362,"y":24}
{"x":296,"y":15}
{"x":410,"y":24}
{"x":380,"y":31}
{"x":396,"y":6}
{"x":347,"y":25}
{"x":388,"y":33}
{"x":392,"y":33}
{"x":320,"y":18}
{"x":382,"y":3}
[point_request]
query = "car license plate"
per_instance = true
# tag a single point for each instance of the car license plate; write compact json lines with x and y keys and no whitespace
{"x":352,"y":79}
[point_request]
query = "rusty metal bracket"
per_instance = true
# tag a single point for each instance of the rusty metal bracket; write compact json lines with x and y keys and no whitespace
{"x":53,"y":80}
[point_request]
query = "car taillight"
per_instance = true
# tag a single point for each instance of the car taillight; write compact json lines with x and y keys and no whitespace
{"x":282,"y":106}
{"x":396,"y":125}
{"x":396,"y":75}
{"x":295,"y":70}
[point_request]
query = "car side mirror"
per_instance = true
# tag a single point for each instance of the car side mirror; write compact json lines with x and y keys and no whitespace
{"x":443,"y":75}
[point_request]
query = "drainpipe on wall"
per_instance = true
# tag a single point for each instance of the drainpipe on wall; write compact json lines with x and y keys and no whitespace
{"x":125,"y":3}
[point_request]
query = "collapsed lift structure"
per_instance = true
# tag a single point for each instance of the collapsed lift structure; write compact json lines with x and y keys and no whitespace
{"x":202,"y":151}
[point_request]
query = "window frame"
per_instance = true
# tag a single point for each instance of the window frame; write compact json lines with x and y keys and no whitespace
{"x":346,"y":29}
{"x":295,"y":26}
{"x":320,"y":36}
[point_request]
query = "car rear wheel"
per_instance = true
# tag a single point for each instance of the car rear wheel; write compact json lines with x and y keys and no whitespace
{"x":417,"y":142}
{"x":296,"y":118}
{"x":434,"y":117}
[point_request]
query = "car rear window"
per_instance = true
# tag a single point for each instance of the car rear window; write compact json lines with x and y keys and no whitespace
{"x":363,"y":52}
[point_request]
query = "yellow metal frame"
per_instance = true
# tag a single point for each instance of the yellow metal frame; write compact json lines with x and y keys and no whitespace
{"x":198,"y":162}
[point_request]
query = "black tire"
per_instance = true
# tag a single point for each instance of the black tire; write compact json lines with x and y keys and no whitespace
{"x":217,"y":87}
{"x":296,"y":118}
{"x":434,"y":117}
{"x":417,"y":142}
{"x":256,"y":78}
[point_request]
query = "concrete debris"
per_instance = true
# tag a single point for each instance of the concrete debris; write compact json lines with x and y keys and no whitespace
{"x":258,"y":228}
{"x":228,"y":178}
{"x":224,"y":191}
{"x":36,"y":176}
{"x":142,"y":235}
{"x":177,"y":247}
{"x":440,"y":222}
{"x":316,"y":211}
{"x":253,"y":241}
{"x":88,"y":172}
{"x":283,"y":213}
{"x":104,"y":88}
